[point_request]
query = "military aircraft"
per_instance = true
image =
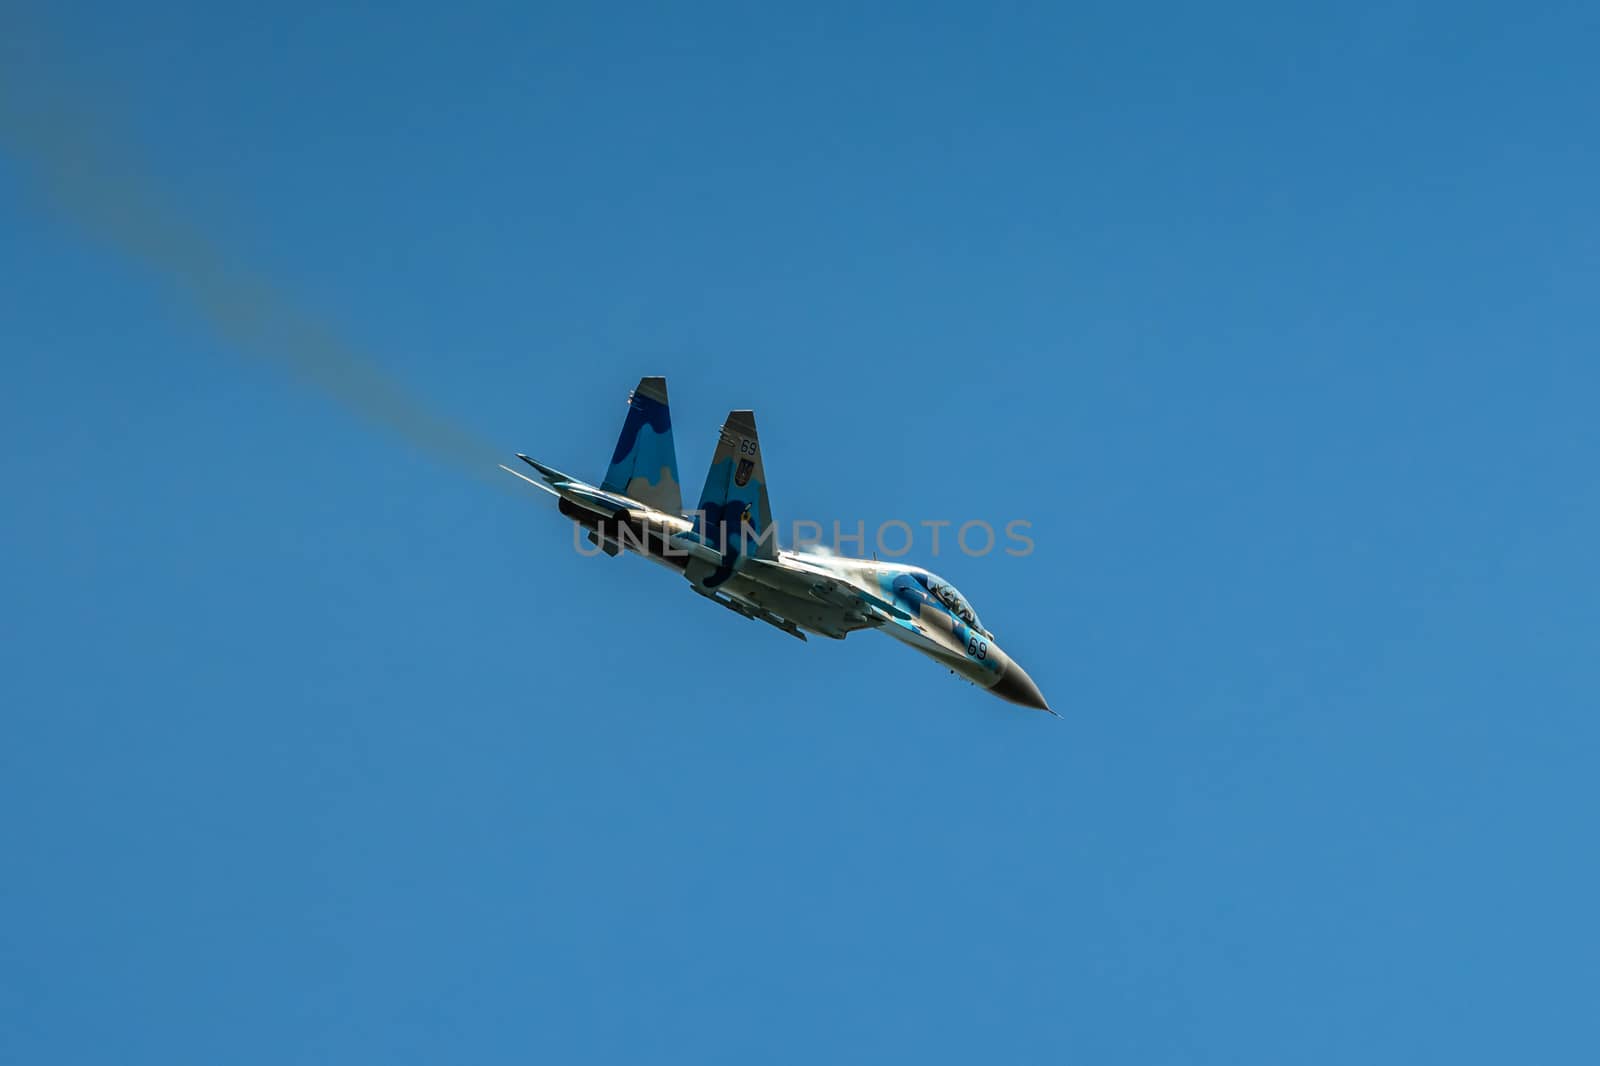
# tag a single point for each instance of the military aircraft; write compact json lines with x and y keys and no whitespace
{"x":727,"y":549}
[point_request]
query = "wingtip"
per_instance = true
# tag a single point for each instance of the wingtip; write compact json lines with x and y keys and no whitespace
{"x":524,"y":477}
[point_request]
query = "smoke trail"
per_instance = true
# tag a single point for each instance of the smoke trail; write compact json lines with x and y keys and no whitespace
{"x":101,"y":191}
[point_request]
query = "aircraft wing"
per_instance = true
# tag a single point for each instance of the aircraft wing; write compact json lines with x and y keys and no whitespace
{"x":843,"y":594}
{"x":823,"y":587}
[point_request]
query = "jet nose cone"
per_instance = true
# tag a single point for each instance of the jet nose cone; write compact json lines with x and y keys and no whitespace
{"x":1015,"y":685}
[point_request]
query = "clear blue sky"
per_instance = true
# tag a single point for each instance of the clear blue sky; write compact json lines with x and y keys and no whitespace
{"x":1279,"y":324}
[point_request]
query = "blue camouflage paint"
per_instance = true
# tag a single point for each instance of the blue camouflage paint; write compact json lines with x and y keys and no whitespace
{"x":729,"y":517}
{"x":907,"y":589}
{"x":644,"y":447}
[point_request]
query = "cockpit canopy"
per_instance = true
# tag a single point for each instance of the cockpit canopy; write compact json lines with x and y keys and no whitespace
{"x":951,"y":597}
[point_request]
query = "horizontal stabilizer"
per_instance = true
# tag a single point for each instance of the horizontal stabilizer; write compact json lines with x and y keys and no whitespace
{"x":536,"y":484}
{"x":550,"y":474}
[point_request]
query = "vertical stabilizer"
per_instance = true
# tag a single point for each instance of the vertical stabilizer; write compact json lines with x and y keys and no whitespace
{"x":644,"y":465}
{"x":734,"y":514}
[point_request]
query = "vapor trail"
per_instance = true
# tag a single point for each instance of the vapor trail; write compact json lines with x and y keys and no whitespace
{"x":106,"y":195}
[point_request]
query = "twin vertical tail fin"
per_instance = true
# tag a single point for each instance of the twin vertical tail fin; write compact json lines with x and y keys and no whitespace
{"x":644,"y":465}
{"x":734,"y":514}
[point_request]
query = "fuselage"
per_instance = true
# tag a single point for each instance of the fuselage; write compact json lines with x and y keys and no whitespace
{"x":828,"y":595}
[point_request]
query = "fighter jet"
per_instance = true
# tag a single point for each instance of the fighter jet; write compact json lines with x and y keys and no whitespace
{"x":726,"y":548}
